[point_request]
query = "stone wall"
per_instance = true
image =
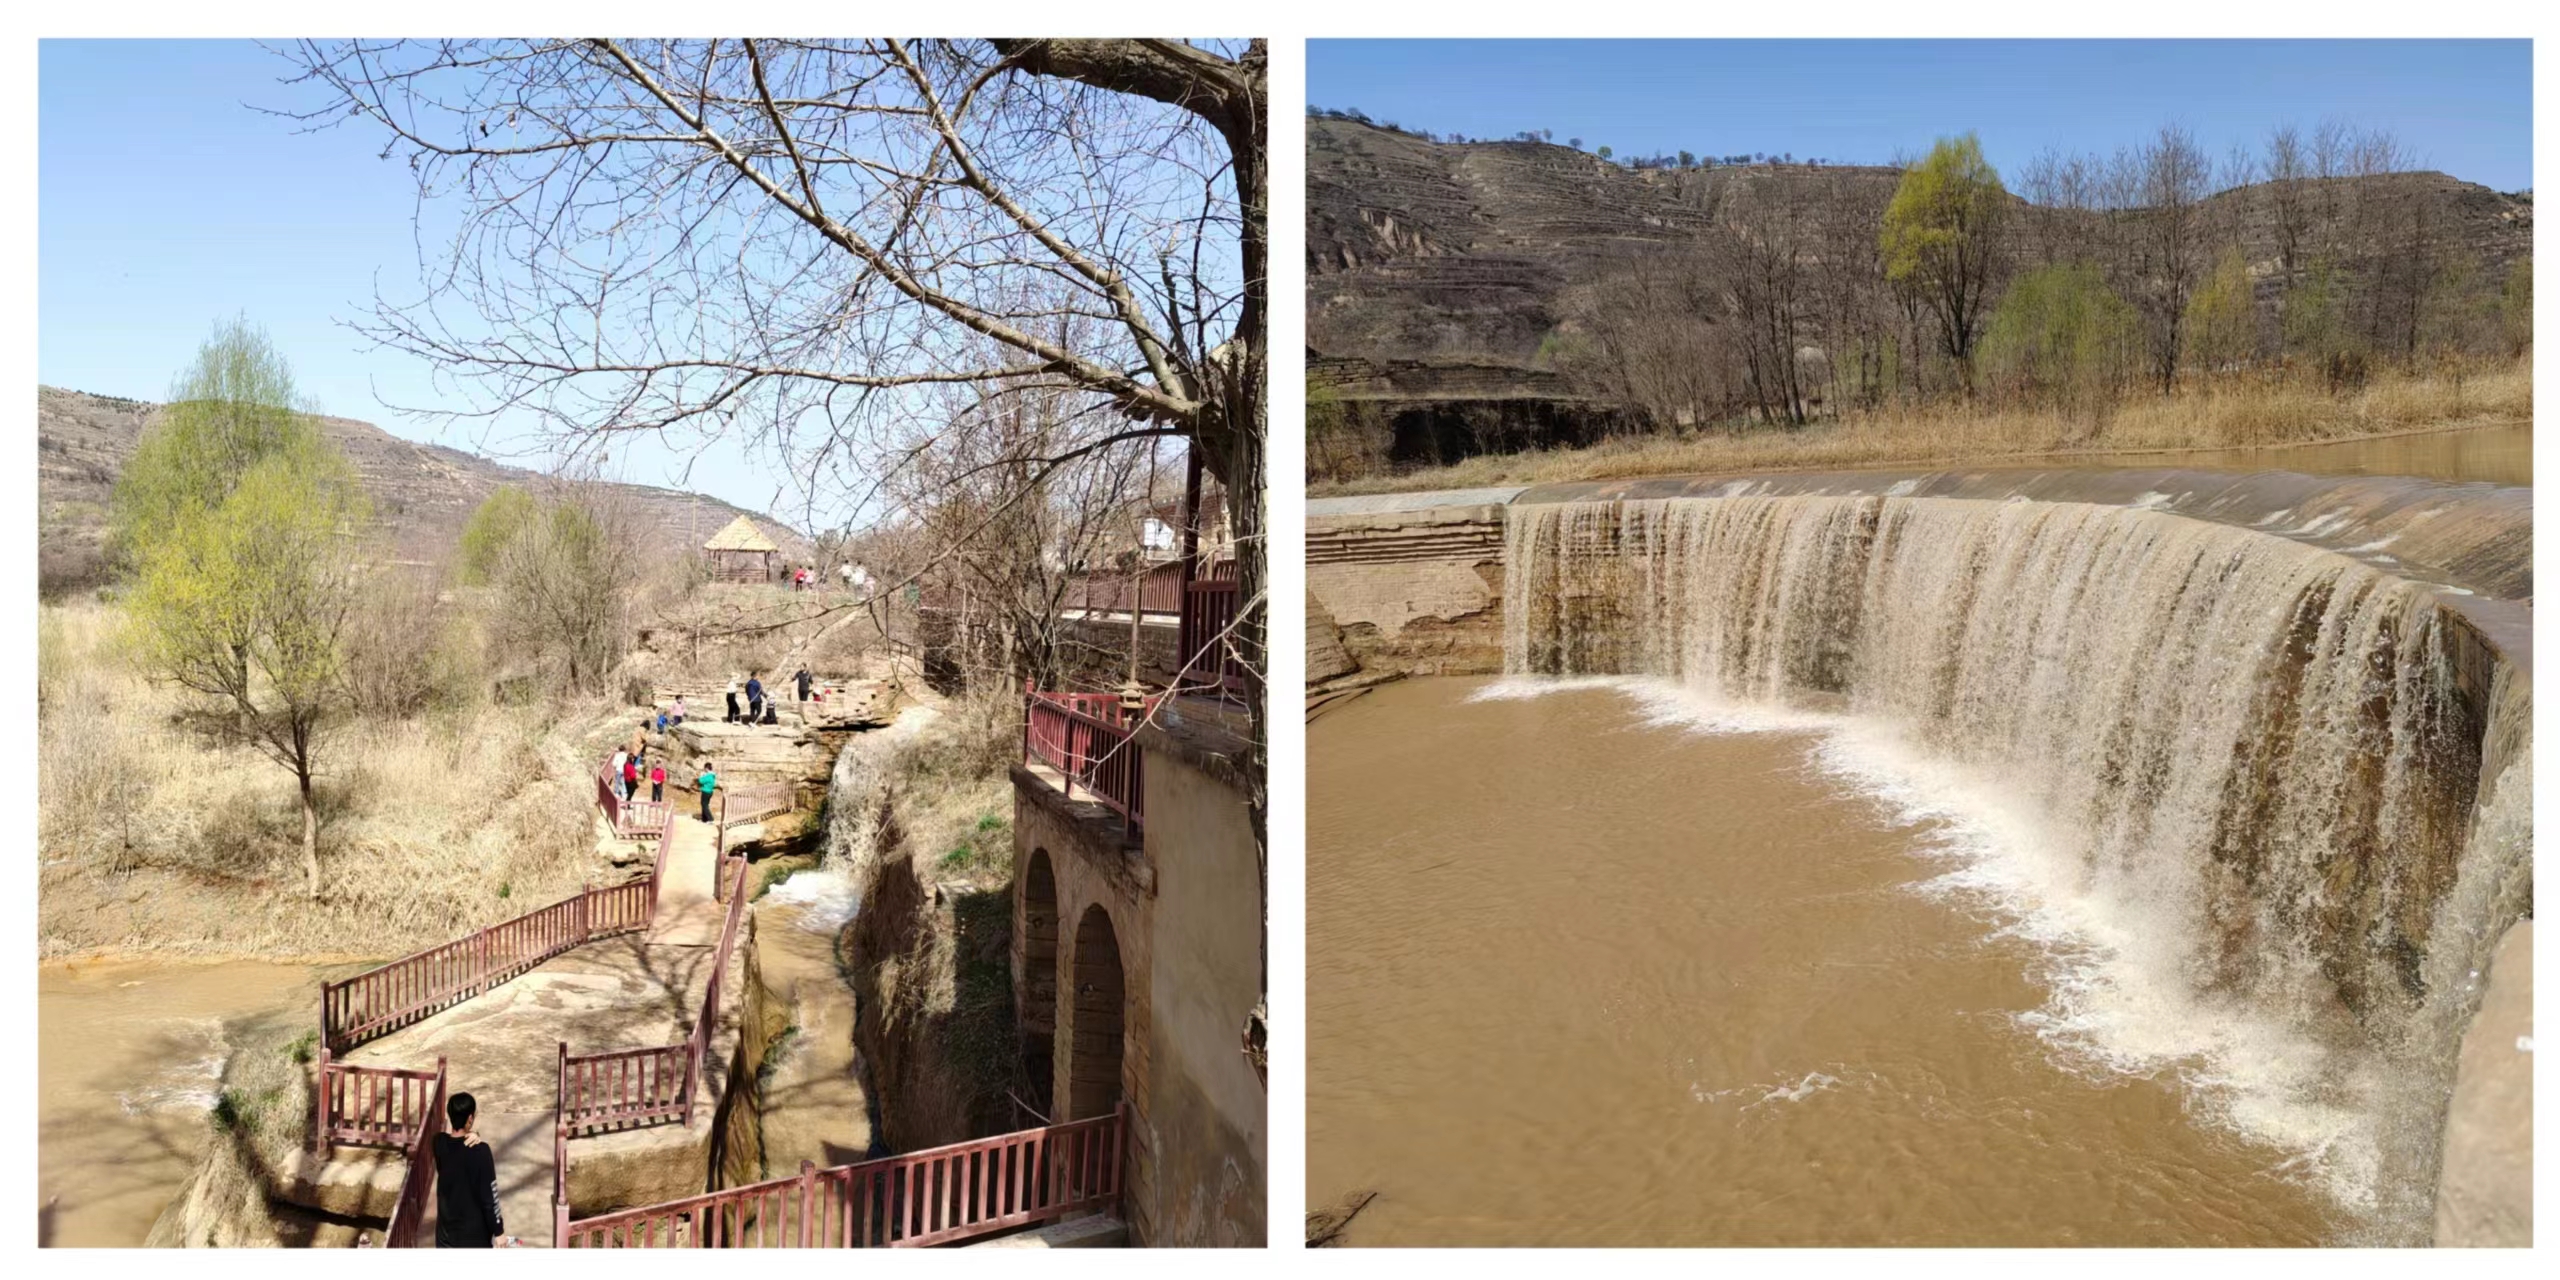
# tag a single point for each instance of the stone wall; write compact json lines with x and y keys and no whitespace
{"x":1206,"y":1111}
{"x":905,"y":941}
{"x":1091,"y":868}
{"x":1185,"y":914}
{"x":2484,"y":1197}
{"x":1096,"y":653}
{"x":1412,"y":592}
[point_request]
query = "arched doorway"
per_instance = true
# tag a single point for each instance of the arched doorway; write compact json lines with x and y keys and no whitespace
{"x":1040,"y":980}
{"x":1093,"y":1066}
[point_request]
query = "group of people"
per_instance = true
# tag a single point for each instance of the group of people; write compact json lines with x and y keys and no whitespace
{"x":761,"y":709}
{"x":758,"y":710}
{"x":631,"y":766}
{"x":856,"y":577}
{"x":632,"y":763}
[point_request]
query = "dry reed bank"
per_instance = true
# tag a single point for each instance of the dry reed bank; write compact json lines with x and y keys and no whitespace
{"x":2245,"y":411}
{"x":154,"y":836}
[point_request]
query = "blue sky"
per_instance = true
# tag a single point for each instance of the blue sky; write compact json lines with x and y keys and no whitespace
{"x":166,"y":203}
{"x":2464,"y":107}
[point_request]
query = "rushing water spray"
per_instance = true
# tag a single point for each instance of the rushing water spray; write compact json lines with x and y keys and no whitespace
{"x":2246,"y":768}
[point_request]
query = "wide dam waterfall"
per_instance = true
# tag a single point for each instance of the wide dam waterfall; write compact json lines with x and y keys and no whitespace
{"x":2264,"y":805}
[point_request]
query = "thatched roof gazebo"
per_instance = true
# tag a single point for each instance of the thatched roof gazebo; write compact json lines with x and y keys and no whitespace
{"x":741,"y":553}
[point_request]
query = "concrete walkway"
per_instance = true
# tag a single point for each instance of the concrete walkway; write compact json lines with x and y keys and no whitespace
{"x":631,"y":992}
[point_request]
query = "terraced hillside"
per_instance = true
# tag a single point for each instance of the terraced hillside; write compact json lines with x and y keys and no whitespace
{"x":1437,"y":273}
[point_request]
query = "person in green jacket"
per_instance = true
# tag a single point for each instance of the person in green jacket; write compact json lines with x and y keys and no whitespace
{"x":709,"y":782}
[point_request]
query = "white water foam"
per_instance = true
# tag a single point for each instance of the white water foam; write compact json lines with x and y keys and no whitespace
{"x":824,"y":898}
{"x":189,"y":1084}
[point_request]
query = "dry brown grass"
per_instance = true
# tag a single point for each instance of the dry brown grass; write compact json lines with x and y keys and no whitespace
{"x":955,"y":791}
{"x":156,"y":837}
{"x":2245,"y":412}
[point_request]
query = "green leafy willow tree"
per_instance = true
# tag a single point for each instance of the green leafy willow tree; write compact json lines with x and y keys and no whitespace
{"x":2061,"y":335}
{"x":493,"y":524}
{"x":2221,"y":328}
{"x":228,"y":411}
{"x":1941,"y":240}
{"x":248,"y":602}
{"x":232,"y":408}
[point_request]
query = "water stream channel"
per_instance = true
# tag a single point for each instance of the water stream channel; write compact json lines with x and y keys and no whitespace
{"x":129,"y":1061}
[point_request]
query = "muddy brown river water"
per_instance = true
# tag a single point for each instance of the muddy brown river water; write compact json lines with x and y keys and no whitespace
{"x":129,"y":1061}
{"x":2491,"y":455}
{"x":1581,"y":975}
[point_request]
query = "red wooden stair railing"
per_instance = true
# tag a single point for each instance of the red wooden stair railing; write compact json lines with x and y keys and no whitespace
{"x":938,"y":1196}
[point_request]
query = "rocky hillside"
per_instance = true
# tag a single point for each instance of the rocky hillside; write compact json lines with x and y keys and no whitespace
{"x":1439,"y":266}
{"x":422,"y":493}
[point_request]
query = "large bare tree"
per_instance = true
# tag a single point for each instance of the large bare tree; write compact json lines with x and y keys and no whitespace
{"x":782,"y":241}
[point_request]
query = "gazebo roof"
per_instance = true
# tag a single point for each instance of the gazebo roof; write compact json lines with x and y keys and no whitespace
{"x":741,"y":535}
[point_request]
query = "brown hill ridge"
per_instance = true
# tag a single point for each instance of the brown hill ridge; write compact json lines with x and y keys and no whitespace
{"x":1453,"y":256}
{"x":422,"y":493}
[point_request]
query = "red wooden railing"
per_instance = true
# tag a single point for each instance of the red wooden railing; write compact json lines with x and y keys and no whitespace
{"x":756,"y":802}
{"x":626,"y":1088}
{"x":630,"y":1088}
{"x":937,"y":1196}
{"x":370,"y":1106}
{"x":1088,"y":749}
{"x":1207,"y":649}
{"x":1101,"y":706}
{"x":409,"y":1212}
{"x":405,"y":990}
{"x":704,"y":1026}
{"x":1159,"y":592}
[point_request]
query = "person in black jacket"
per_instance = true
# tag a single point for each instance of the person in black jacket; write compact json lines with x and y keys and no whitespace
{"x":467,"y":1214}
{"x":804,"y":679}
{"x":755,"y":699}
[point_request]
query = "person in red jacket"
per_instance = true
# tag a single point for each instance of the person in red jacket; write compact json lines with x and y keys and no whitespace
{"x":658,"y":780}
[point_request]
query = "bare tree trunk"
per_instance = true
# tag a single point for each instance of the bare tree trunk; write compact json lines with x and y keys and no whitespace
{"x":310,"y":836}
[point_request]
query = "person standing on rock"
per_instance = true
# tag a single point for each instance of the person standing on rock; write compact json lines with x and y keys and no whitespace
{"x":675,"y":714}
{"x":658,"y":781}
{"x":755,"y":699}
{"x":803,"y":678}
{"x":709,"y":782}
{"x":467,"y":1215}
{"x":732,"y":717}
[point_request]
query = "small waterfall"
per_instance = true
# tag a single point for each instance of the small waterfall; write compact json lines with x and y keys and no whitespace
{"x":2249,"y":761}
{"x":858,"y":792}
